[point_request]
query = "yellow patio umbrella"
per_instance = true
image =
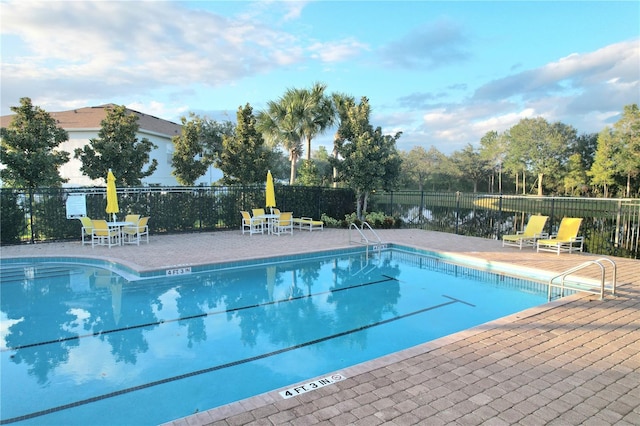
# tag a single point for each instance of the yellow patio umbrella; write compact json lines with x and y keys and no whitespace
{"x":270,"y":191}
{"x":112,"y":196}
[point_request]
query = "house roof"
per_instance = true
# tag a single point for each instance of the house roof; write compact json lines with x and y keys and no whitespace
{"x":91,"y":117}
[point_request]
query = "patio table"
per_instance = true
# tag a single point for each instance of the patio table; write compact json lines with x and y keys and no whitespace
{"x":271,"y":219}
{"x":118,"y":227}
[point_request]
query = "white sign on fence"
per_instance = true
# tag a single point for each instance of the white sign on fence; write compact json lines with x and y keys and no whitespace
{"x":76,"y":206}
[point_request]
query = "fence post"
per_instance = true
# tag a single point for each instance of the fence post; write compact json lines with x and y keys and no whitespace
{"x":33,"y":235}
{"x":616,"y":241}
{"x":499,"y":221}
{"x":457,"y":210}
{"x":553,"y":202}
{"x":421,"y":206}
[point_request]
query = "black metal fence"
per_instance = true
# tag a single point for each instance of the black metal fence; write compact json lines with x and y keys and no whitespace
{"x":610,"y":226}
{"x":41,"y":215}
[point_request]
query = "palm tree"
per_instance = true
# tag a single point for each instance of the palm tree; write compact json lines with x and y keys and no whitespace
{"x":316,"y":113}
{"x":341,"y":105}
{"x":278,"y":126}
{"x":299,"y":115}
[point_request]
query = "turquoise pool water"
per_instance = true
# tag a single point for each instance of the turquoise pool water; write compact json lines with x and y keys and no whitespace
{"x":81,"y":344}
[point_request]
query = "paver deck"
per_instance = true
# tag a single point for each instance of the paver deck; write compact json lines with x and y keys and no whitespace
{"x":572,"y":361}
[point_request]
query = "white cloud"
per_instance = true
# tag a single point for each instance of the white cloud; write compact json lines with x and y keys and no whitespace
{"x":337,"y":51}
{"x":614,"y":63}
{"x":108,"y":43}
{"x":439,"y":43}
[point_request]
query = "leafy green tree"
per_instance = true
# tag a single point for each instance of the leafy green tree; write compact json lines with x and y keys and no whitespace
{"x":586,"y":146}
{"x":244,"y":158}
{"x":197,"y":147}
{"x":603,"y":170}
{"x":575,"y":181}
{"x":493,"y":150}
{"x":317,"y":171}
{"x":541,"y":147}
{"x":321,"y":157}
{"x":28,"y":148}
{"x":308,"y":174}
{"x":117,"y":148}
{"x":369,"y":159}
{"x":187,"y":161}
{"x":420,"y":167}
{"x":469,"y":161}
{"x":626,"y":132}
{"x":515,"y":161}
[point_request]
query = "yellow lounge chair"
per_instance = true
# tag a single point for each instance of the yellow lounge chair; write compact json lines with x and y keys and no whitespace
{"x":532,"y":232}
{"x":567,"y":239}
{"x":308,"y":223}
{"x":87,"y":227}
{"x":251,"y":225}
{"x":102,"y":235}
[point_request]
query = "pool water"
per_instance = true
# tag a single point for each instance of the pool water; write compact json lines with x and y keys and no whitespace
{"x":83,"y":345}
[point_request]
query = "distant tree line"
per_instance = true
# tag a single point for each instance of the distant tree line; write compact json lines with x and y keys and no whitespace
{"x":535,"y":156}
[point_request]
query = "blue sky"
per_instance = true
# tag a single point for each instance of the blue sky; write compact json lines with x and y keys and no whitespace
{"x":443,"y":73}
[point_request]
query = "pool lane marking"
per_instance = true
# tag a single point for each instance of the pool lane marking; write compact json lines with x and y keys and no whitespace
{"x":459,"y":300}
{"x":223,"y":366}
{"x":190,"y":317}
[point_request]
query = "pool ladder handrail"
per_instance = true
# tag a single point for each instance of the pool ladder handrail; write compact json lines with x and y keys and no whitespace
{"x":363,"y":238}
{"x":377,"y":245}
{"x":582,"y":287}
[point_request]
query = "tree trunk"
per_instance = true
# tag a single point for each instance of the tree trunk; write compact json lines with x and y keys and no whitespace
{"x":294,"y":160}
{"x":364,"y":204}
{"x":335,"y":171}
{"x":540,"y":175}
{"x":524,"y":182}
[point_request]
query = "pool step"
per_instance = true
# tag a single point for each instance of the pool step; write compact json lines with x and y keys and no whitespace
{"x":29,"y":272}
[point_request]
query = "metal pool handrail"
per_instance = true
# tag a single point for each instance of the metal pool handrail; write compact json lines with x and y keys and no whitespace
{"x":585,"y":287}
{"x":363,"y":238}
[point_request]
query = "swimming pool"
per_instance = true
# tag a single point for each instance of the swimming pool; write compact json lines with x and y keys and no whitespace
{"x":80,"y":342}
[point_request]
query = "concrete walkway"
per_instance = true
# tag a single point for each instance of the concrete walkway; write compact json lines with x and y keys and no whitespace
{"x":573,"y":361}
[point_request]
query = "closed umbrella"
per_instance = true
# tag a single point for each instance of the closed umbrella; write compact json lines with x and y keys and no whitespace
{"x":112,"y":196}
{"x":270,"y":191}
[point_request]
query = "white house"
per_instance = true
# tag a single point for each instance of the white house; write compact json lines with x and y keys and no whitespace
{"x":83,"y":124}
